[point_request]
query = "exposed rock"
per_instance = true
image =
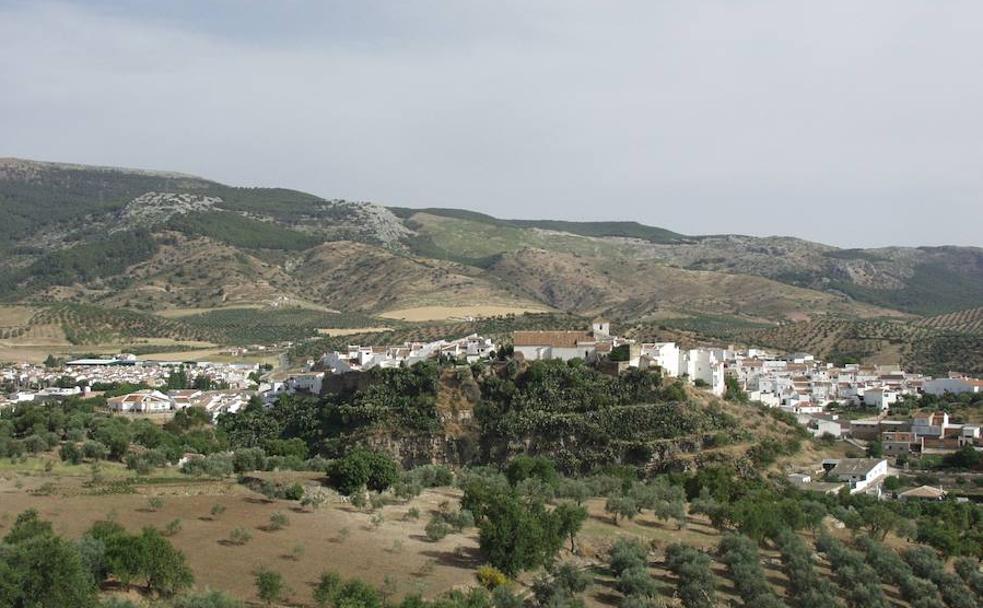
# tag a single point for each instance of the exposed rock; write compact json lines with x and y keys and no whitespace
{"x":155,"y":208}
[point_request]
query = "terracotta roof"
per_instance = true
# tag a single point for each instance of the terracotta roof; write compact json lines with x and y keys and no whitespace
{"x":556,"y":339}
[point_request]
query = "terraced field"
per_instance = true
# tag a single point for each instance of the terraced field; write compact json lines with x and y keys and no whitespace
{"x":968,"y":321}
{"x":912,"y":344}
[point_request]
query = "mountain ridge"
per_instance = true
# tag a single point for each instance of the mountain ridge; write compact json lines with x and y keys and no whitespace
{"x":90,"y":233}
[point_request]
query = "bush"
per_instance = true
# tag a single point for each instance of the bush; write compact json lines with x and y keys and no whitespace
{"x":249,"y":459}
{"x":491,"y":577}
{"x":172,"y":527}
{"x":269,"y":585}
{"x":93,"y":450}
{"x":294,"y":492}
{"x":240,"y":536}
{"x":213,"y":465}
{"x":278,"y":521}
{"x":327,"y":587}
{"x":437,"y":529}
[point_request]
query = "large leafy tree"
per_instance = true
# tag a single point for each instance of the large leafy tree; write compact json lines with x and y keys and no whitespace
{"x":39,"y":569}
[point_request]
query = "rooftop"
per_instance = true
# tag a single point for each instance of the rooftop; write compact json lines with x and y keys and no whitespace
{"x":556,"y":339}
{"x":848,"y":467}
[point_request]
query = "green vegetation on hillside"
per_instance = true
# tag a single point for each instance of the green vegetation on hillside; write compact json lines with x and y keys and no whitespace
{"x":105,"y":258}
{"x":265,"y":326}
{"x":584,"y":419}
{"x":61,"y":195}
{"x":87,"y":324}
{"x":934,"y":288}
{"x":240,"y":231}
{"x":618,"y":229}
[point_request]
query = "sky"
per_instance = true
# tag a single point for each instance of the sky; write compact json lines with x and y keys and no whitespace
{"x":858,"y":124}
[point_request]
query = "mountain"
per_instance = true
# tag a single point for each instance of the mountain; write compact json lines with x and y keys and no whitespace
{"x":170,"y":244}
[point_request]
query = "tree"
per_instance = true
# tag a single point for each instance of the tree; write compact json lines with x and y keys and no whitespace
{"x":357,"y":594}
{"x":164,"y":567}
{"x":875,"y":449}
{"x":39,"y":568}
{"x":879,"y":520}
{"x":269,"y":586}
{"x":516,"y":536}
{"x":621,"y":506}
{"x":965,"y":458}
{"x":71,"y":453}
{"x":363,"y":469}
{"x":627,"y":554}
{"x":571,"y":518}
{"x":696,"y":586}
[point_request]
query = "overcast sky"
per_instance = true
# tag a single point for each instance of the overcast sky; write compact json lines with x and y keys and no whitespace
{"x":857,"y":123}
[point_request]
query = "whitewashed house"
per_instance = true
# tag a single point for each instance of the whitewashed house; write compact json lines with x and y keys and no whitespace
{"x":145,"y":401}
{"x":861,"y":473}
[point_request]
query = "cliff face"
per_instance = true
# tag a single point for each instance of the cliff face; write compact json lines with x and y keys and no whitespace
{"x":456,"y":440}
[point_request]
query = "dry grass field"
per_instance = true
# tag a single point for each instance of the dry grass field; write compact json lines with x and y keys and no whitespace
{"x":337,"y":537}
{"x":393,"y":554}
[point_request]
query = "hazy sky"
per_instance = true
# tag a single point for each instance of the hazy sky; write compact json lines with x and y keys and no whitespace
{"x":858,"y":123}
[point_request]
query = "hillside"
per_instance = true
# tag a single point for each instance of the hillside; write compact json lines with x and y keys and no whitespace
{"x":172,"y":244}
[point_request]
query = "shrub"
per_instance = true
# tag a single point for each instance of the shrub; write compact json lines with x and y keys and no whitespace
{"x":172,"y":527}
{"x":315,"y":500}
{"x":217,"y":510}
{"x":278,"y":521}
{"x":491,"y":577}
{"x":240,"y":536}
{"x":249,"y":459}
{"x":95,"y":450}
{"x":269,"y":585}
{"x":437,"y":528}
{"x":294,"y":492}
{"x":327,"y":586}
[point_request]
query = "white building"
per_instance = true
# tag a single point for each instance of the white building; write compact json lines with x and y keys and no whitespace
{"x":881,"y":398}
{"x":662,"y":354}
{"x":861,"y":473}
{"x":940,"y":386}
{"x":564,"y":345}
{"x":146,"y":401}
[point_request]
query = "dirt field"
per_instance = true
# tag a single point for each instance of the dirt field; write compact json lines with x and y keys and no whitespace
{"x":393,"y":554}
{"x":397,"y":549}
{"x":439,"y":313}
